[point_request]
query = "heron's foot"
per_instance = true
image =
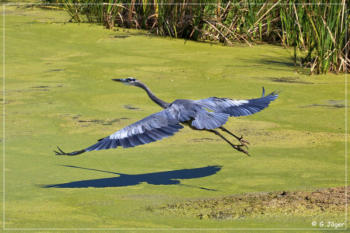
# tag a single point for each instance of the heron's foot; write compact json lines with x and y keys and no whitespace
{"x":241,"y":148}
{"x":243,"y":142}
{"x":61,"y":152}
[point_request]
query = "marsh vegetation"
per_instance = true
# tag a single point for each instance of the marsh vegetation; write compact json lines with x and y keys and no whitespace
{"x":318,"y":32}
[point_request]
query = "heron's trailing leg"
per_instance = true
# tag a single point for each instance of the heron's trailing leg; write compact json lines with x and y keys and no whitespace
{"x":237,"y":147}
{"x":240,"y":139}
{"x":61,"y":152}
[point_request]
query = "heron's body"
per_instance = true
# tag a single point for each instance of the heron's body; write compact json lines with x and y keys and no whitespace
{"x":205,"y":114}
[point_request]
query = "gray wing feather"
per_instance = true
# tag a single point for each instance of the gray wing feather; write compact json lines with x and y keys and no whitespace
{"x":152,"y":128}
{"x":209,"y":120}
{"x":237,"y":107}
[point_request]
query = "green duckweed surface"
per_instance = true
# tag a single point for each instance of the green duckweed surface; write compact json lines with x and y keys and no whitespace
{"x":59,"y":92}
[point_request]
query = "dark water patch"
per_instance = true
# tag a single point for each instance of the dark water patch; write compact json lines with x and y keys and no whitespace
{"x":274,"y":62}
{"x":289,"y":80}
{"x":94,"y":121}
{"x":130,"y":107}
{"x":55,"y":70}
{"x":111,"y":121}
{"x":324,"y":105}
{"x":86,"y":122}
{"x":101,"y":122}
{"x":140,"y":34}
{"x":121,"y":36}
{"x":28,"y":90}
{"x":328,"y":104}
{"x":40,"y":87}
{"x":44,"y":88}
{"x":127,"y":33}
{"x":76,"y":116}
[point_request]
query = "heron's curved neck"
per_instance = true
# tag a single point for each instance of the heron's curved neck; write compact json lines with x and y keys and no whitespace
{"x":155,"y":99}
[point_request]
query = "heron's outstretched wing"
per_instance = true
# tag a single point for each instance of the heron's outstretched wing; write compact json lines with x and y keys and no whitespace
{"x":237,"y":107}
{"x":152,"y":128}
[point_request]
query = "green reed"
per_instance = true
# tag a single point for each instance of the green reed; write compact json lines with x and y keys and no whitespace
{"x":318,"y":31}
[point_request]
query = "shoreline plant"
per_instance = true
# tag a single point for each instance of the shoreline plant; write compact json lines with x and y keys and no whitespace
{"x":318,"y":31}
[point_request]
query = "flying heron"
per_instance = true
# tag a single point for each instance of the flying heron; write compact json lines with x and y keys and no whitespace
{"x":206,"y":114}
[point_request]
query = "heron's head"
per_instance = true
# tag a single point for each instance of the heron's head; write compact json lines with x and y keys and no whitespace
{"x":127,"y":81}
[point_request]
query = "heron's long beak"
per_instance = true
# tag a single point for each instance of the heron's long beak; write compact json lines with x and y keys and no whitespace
{"x":117,"y":79}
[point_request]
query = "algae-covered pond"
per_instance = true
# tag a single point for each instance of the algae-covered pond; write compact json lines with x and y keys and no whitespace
{"x":59,"y":92}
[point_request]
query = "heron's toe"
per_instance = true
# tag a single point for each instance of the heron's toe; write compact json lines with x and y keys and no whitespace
{"x":241,"y":149}
{"x":59,"y":152}
{"x":243,"y":141}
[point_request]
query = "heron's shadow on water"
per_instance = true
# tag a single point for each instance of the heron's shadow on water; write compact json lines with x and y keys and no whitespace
{"x":156,"y":178}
